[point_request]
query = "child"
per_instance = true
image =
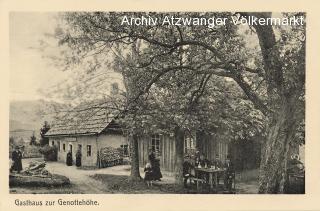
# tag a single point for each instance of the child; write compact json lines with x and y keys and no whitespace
{"x":148,"y":174}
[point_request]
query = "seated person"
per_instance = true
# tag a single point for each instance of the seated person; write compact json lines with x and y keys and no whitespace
{"x":218,"y":165}
{"x":295,"y":166}
{"x":217,"y":162}
{"x":187,"y":166}
{"x":204,"y":162}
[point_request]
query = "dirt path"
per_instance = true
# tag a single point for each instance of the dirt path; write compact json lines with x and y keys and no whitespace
{"x":81,"y":180}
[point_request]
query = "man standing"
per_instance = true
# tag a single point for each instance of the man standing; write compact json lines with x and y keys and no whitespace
{"x":16,"y":159}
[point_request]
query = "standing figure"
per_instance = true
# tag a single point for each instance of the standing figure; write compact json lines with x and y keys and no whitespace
{"x":151,"y":157}
{"x":69,"y":158}
{"x":157,"y":175}
{"x":78,"y":158}
{"x":155,"y":165}
{"x":229,"y":174}
{"x":148,"y":177}
{"x":16,"y":159}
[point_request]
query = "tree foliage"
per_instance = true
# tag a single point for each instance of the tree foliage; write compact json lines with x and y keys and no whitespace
{"x":241,"y":80}
{"x":45,"y":128}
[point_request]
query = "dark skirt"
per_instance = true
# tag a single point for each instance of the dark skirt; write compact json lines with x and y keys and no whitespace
{"x":17,"y":166}
{"x":157,"y":173}
{"x":78,"y":161}
{"x":69,"y":161}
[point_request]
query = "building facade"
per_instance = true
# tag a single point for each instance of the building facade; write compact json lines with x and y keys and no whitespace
{"x":91,"y":128}
{"x":164,"y":148}
{"x":88,"y":129}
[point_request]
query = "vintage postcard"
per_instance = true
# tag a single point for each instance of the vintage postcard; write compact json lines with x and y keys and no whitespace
{"x":122,"y":107}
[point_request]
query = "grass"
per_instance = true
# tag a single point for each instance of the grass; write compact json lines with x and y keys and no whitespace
{"x":122,"y":184}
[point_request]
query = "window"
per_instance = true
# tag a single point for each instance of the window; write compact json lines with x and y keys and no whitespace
{"x":59,"y":146}
{"x":88,"y":150}
{"x":125,"y":150}
{"x":70,"y":148}
{"x":189,"y":143}
{"x":64,"y":147}
{"x":155,"y":144}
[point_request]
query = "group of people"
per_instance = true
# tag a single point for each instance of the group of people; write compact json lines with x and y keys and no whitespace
{"x":152,"y":170}
{"x":69,"y":159}
{"x":201,"y":162}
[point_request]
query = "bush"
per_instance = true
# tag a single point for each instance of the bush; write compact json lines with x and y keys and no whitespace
{"x":31,"y":151}
{"x":50,"y":153}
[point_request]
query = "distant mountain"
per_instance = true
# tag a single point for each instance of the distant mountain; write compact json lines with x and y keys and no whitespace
{"x":30,"y":115}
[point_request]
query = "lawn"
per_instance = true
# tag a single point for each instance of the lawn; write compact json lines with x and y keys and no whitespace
{"x":122,"y":184}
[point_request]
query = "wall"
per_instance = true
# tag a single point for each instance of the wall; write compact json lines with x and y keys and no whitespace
{"x":84,"y":141}
{"x":212,"y":147}
{"x":111,"y":140}
{"x":206,"y":144}
{"x":75,"y":141}
{"x":167,"y":152}
{"x":95,"y":142}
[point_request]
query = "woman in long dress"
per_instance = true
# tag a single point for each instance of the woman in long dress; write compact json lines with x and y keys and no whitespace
{"x":155,"y":165}
{"x":69,"y":159}
{"x":78,"y":158}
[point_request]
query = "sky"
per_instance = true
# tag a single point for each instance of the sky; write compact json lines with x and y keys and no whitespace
{"x":29,"y":71}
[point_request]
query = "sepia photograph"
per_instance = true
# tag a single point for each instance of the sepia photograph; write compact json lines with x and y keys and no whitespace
{"x":106,"y":102}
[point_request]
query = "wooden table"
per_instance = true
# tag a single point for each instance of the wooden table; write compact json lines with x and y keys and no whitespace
{"x":213,"y":175}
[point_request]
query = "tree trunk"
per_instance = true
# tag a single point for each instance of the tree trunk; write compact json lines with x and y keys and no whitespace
{"x":179,"y":143}
{"x":273,"y":167}
{"x":135,"y":173}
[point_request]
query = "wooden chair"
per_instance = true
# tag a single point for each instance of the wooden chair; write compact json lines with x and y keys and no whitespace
{"x":197,"y":181}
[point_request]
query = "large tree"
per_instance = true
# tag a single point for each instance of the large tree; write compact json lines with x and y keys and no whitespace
{"x":271,"y":73}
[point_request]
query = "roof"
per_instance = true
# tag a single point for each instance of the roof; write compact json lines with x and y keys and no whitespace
{"x":86,"y":119}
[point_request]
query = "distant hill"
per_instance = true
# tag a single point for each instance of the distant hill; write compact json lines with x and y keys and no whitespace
{"x":28,"y":116}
